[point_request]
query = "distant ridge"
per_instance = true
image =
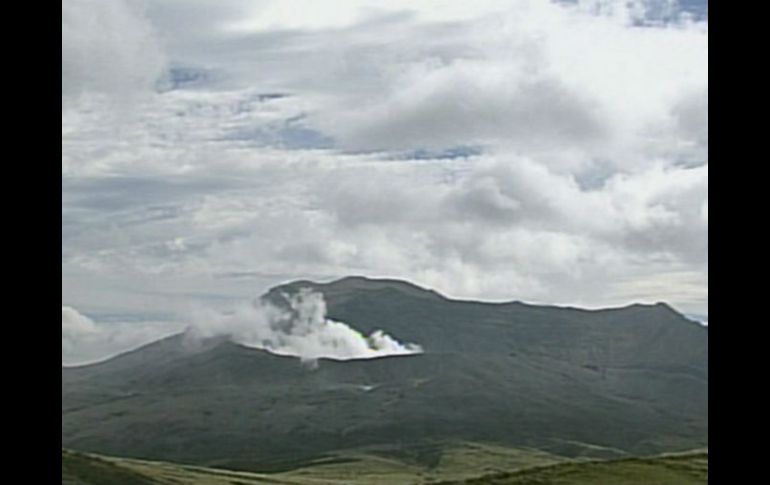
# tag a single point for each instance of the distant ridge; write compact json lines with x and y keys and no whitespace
{"x":365,"y":283}
{"x":349,"y":285}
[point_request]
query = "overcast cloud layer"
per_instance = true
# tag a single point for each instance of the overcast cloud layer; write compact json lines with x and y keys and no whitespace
{"x":550,"y":152}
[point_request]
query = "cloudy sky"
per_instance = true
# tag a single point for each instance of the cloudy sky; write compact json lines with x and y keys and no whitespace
{"x":545,"y":151}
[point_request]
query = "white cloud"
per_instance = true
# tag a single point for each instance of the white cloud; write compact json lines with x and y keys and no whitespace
{"x":590,"y":185}
{"x":108,"y":47}
{"x":468,"y":102}
{"x":74,"y":329}
{"x":84,"y":341}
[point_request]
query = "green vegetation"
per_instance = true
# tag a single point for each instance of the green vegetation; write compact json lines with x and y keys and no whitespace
{"x":422,"y":463}
{"x":470,"y":465}
{"x":80,"y":469}
{"x":679,"y":469}
{"x":375,"y":465}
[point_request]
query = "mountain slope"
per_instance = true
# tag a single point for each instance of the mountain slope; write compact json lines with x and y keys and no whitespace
{"x":569,"y":382}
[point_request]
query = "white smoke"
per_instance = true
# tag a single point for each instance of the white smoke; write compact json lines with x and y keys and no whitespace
{"x":301,"y":329}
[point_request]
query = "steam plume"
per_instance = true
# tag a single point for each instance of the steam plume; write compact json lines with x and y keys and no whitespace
{"x":299,"y":328}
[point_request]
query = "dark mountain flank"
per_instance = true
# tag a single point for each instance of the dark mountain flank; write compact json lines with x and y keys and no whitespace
{"x":571,"y":382}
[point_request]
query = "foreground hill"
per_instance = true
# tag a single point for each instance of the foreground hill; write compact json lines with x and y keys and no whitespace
{"x":568,"y":382}
{"x":680,"y":469}
{"x":683,"y":469}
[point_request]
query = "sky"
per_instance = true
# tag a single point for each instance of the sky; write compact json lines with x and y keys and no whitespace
{"x":543,"y":151}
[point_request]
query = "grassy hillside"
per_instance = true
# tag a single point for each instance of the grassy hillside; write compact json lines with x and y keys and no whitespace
{"x":470,"y":465}
{"x":90,"y":469}
{"x":679,"y":469}
{"x":369,"y":465}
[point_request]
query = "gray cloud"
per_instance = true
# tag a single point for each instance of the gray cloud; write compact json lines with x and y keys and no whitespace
{"x":459,"y":104}
{"x":84,"y":341}
{"x":108,"y":47}
{"x":587,"y":183}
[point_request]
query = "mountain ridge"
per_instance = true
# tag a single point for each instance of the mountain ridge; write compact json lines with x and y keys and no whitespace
{"x":332,"y":289}
{"x":563,"y":381}
{"x":375,"y":283}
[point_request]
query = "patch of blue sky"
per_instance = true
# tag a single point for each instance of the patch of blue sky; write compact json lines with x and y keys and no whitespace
{"x":286,"y":136}
{"x":450,"y":153}
{"x":657,"y":12}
